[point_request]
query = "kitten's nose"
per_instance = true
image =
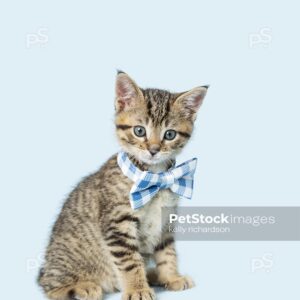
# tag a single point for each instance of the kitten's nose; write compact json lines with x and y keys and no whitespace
{"x":153,"y":149}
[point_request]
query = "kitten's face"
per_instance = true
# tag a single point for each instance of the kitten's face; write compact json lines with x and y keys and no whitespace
{"x":154,"y":125}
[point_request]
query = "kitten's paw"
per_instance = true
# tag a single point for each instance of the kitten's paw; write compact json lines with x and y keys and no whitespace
{"x":85,"y":291}
{"x":180,"y":283}
{"x":147,"y":294}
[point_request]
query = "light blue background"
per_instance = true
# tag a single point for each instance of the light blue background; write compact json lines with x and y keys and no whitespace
{"x":56,"y":122}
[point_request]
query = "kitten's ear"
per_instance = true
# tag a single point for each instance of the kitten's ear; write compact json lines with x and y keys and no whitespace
{"x":189,"y":102}
{"x":127,"y":92}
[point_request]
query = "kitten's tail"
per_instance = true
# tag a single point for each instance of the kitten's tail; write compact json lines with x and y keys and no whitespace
{"x":73,"y":291}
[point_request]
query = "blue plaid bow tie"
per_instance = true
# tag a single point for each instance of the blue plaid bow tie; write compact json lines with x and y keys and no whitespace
{"x":147,"y":184}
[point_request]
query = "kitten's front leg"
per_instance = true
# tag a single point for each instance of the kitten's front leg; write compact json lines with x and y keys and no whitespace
{"x":122,"y":242}
{"x":166,"y":272}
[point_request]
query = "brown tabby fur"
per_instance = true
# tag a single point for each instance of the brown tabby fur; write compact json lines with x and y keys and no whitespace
{"x":99,"y":244}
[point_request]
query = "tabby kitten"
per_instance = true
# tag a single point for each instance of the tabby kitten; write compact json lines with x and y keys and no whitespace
{"x":99,"y":244}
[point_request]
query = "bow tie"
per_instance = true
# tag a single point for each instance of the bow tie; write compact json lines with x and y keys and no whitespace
{"x":147,"y":184}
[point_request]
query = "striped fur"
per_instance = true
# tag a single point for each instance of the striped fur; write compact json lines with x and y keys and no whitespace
{"x":98,"y":243}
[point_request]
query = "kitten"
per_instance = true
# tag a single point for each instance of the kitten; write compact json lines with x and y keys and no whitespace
{"x":99,"y":244}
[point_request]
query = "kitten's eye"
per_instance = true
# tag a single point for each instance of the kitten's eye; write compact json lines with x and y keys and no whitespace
{"x":170,"y":135}
{"x":139,"y":131}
